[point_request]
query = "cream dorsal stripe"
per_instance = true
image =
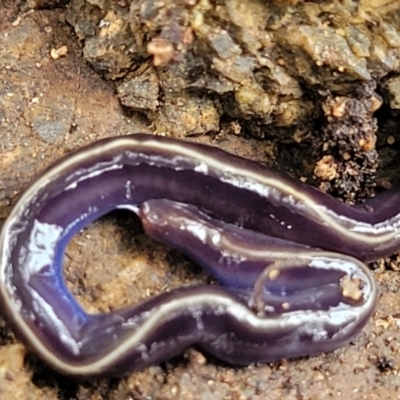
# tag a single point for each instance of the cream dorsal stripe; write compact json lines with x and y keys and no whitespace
{"x":241,"y":221}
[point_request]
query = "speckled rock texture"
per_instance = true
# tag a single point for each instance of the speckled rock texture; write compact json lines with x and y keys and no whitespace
{"x":192,"y":66}
{"x":310,"y":88}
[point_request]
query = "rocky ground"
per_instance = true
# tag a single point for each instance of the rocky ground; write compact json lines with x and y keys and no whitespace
{"x":309,"y":88}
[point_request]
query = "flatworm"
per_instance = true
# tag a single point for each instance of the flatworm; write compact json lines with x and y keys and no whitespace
{"x":259,"y":233}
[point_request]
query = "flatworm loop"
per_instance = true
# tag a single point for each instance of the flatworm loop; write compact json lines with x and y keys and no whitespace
{"x":234,"y":217}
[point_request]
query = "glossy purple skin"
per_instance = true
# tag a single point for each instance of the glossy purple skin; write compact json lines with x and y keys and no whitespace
{"x":104,"y":178}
